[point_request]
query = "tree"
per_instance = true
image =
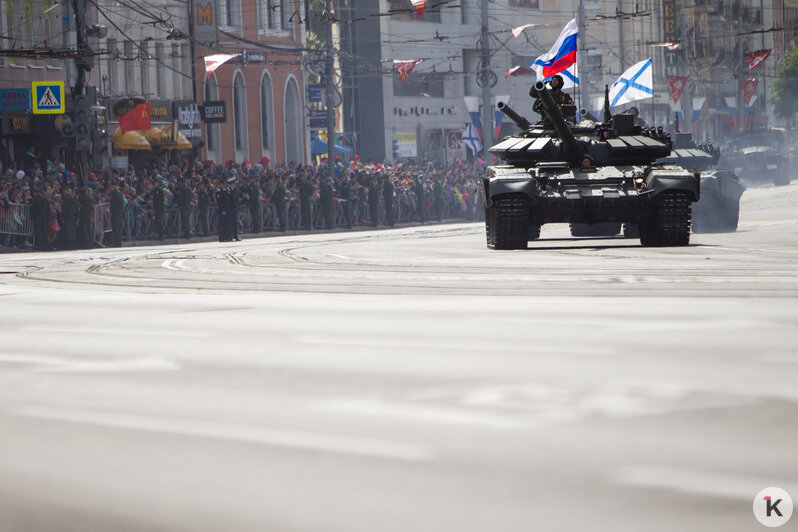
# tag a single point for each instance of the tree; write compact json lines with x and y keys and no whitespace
{"x":785,"y":87}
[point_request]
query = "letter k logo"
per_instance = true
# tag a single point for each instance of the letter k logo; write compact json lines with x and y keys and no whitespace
{"x":772,"y":506}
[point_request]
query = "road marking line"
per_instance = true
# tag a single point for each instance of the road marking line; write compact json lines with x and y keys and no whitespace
{"x":131,"y":332}
{"x":698,"y":482}
{"x":423,"y":413}
{"x":68,"y":365}
{"x":292,"y":439}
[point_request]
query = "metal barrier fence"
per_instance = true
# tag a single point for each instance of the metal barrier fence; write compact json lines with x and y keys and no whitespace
{"x":15,"y":219}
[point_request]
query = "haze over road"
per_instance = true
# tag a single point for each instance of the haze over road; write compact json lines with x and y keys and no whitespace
{"x":401,"y":380}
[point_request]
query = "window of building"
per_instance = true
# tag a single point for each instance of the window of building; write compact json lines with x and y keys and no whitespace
{"x":533,"y":4}
{"x":292,"y":117}
{"x":113,"y":81}
{"x":404,"y":10}
{"x":51,"y":16}
{"x":130,"y":65}
{"x":211,"y":130}
{"x":177,"y":78}
{"x":187,"y":78}
{"x":425,"y":85}
{"x":144,"y":51}
{"x":34,"y":30}
{"x":239,"y":114}
{"x":266,"y":112}
{"x":230,"y":13}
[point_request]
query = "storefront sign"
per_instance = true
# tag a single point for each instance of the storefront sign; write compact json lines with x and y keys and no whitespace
{"x":14,"y":99}
{"x":317,"y":119}
{"x":20,"y":123}
{"x":406,"y":145}
{"x":189,"y":118}
{"x":315,"y":93}
{"x":214,"y":112}
{"x":160,"y":110}
{"x":424,"y":111}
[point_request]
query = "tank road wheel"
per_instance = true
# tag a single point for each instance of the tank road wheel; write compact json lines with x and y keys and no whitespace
{"x":509,"y":222}
{"x":670,"y":224}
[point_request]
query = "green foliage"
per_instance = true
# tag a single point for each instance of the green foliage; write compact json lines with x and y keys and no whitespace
{"x":785,"y":87}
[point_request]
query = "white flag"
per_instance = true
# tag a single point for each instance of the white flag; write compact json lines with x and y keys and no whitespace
{"x":212,"y":62}
{"x":637,"y":83}
{"x":471,"y":139}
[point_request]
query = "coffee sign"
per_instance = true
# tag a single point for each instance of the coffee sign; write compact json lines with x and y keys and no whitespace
{"x":214,"y":112}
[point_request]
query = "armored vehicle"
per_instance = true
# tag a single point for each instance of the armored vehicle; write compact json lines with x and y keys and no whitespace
{"x":561,"y":171}
{"x":718,"y":210}
{"x":758,"y":155}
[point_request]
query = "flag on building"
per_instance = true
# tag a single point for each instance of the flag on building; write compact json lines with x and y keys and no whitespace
{"x":136,"y":118}
{"x":637,"y":83}
{"x":471,"y":139}
{"x":561,"y":56}
{"x":731,"y":105}
{"x":472,"y":105}
{"x":748,"y":109}
{"x":498,"y":116}
{"x":698,"y":103}
{"x":749,"y":88}
{"x":405,"y":67}
{"x":212,"y":62}
{"x":677,"y":85}
{"x":419,"y":6}
{"x":677,"y":110}
{"x":755,"y":58}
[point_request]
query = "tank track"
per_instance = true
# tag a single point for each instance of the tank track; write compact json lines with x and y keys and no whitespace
{"x":507,"y":222}
{"x":670,"y":225}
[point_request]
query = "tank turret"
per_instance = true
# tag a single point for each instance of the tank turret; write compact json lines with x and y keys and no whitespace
{"x":572,"y":149}
{"x":519,"y":120}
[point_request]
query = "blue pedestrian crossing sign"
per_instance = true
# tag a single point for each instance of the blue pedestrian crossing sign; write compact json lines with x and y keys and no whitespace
{"x":47,"y":97}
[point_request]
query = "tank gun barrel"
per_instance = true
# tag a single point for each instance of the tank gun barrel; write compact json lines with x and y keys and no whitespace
{"x":519,"y":120}
{"x":572,"y":147}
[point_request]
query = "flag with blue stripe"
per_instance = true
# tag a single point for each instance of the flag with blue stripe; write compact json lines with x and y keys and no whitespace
{"x":637,"y":83}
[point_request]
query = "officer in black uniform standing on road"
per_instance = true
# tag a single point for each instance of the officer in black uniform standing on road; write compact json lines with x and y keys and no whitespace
{"x":86,"y":204}
{"x":69,"y":216}
{"x":223,"y":208}
{"x":117,"y":205}
{"x":345,"y":193}
{"x":387,"y":198}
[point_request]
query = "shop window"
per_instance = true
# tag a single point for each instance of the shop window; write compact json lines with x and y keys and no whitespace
{"x":424,"y":85}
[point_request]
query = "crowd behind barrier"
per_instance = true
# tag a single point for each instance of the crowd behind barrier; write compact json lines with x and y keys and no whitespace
{"x":44,"y":207}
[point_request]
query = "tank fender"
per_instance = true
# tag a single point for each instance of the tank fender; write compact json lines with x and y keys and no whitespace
{"x":498,"y":186}
{"x":660,"y":180}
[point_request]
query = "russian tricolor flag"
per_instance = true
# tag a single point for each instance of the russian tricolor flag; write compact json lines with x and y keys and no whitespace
{"x":561,"y":56}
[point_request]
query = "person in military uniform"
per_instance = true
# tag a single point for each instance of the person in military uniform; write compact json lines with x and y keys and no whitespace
{"x":69,"y":217}
{"x":117,"y":205}
{"x":420,"y":199}
{"x":184,"y":198}
{"x":560,"y":96}
{"x":158,"y":207}
{"x":635,"y":112}
{"x":387,"y":198}
{"x":345,"y":193}
{"x":374,"y":199}
{"x":223,"y":208}
{"x":437,"y":195}
{"x":325,"y":198}
{"x":254,"y":204}
{"x":40,"y":213}
{"x":233,"y":219}
{"x":85,"y":219}
{"x":305,"y":193}
{"x":203,"y":204}
{"x":278,"y":200}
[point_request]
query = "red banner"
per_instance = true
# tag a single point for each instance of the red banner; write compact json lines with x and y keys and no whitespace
{"x":405,"y":67}
{"x":677,"y":85}
{"x":419,"y":5}
{"x":755,"y":58}
{"x":518,"y":71}
{"x":136,"y":118}
{"x":749,"y":88}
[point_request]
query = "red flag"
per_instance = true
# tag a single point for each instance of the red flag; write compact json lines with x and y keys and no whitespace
{"x":419,"y":5}
{"x":749,"y":88}
{"x":518,"y":71}
{"x":405,"y":67}
{"x":755,"y":58}
{"x":677,"y":84}
{"x":136,"y":118}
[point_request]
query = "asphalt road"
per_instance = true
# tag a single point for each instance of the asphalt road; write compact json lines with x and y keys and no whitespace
{"x":400,"y":380}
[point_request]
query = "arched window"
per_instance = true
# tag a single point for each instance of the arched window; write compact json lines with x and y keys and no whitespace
{"x":266,"y":112}
{"x":292,"y":115}
{"x":211,"y":130}
{"x":239,"y":114}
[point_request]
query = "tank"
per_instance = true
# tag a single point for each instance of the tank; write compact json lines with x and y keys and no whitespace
{"x":758,"y":156}
{"x":718,"y":210}
{"x":590,"y":172}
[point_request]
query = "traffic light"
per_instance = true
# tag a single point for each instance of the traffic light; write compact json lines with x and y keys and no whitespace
{"x":395,"y":148}
{"x":83,"y":122}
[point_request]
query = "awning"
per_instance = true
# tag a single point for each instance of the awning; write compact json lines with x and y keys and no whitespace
{"x":130,"y":140}
{"x":319,"y":147}
{"x":146,"y":139}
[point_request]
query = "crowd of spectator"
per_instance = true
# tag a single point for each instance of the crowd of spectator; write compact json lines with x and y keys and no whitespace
{"x":225,"y":199}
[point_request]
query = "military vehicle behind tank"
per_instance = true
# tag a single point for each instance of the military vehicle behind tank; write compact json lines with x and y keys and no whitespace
{"x":758,"y":155}
{"x":547,"y":179}
{"x":718,"y":210}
